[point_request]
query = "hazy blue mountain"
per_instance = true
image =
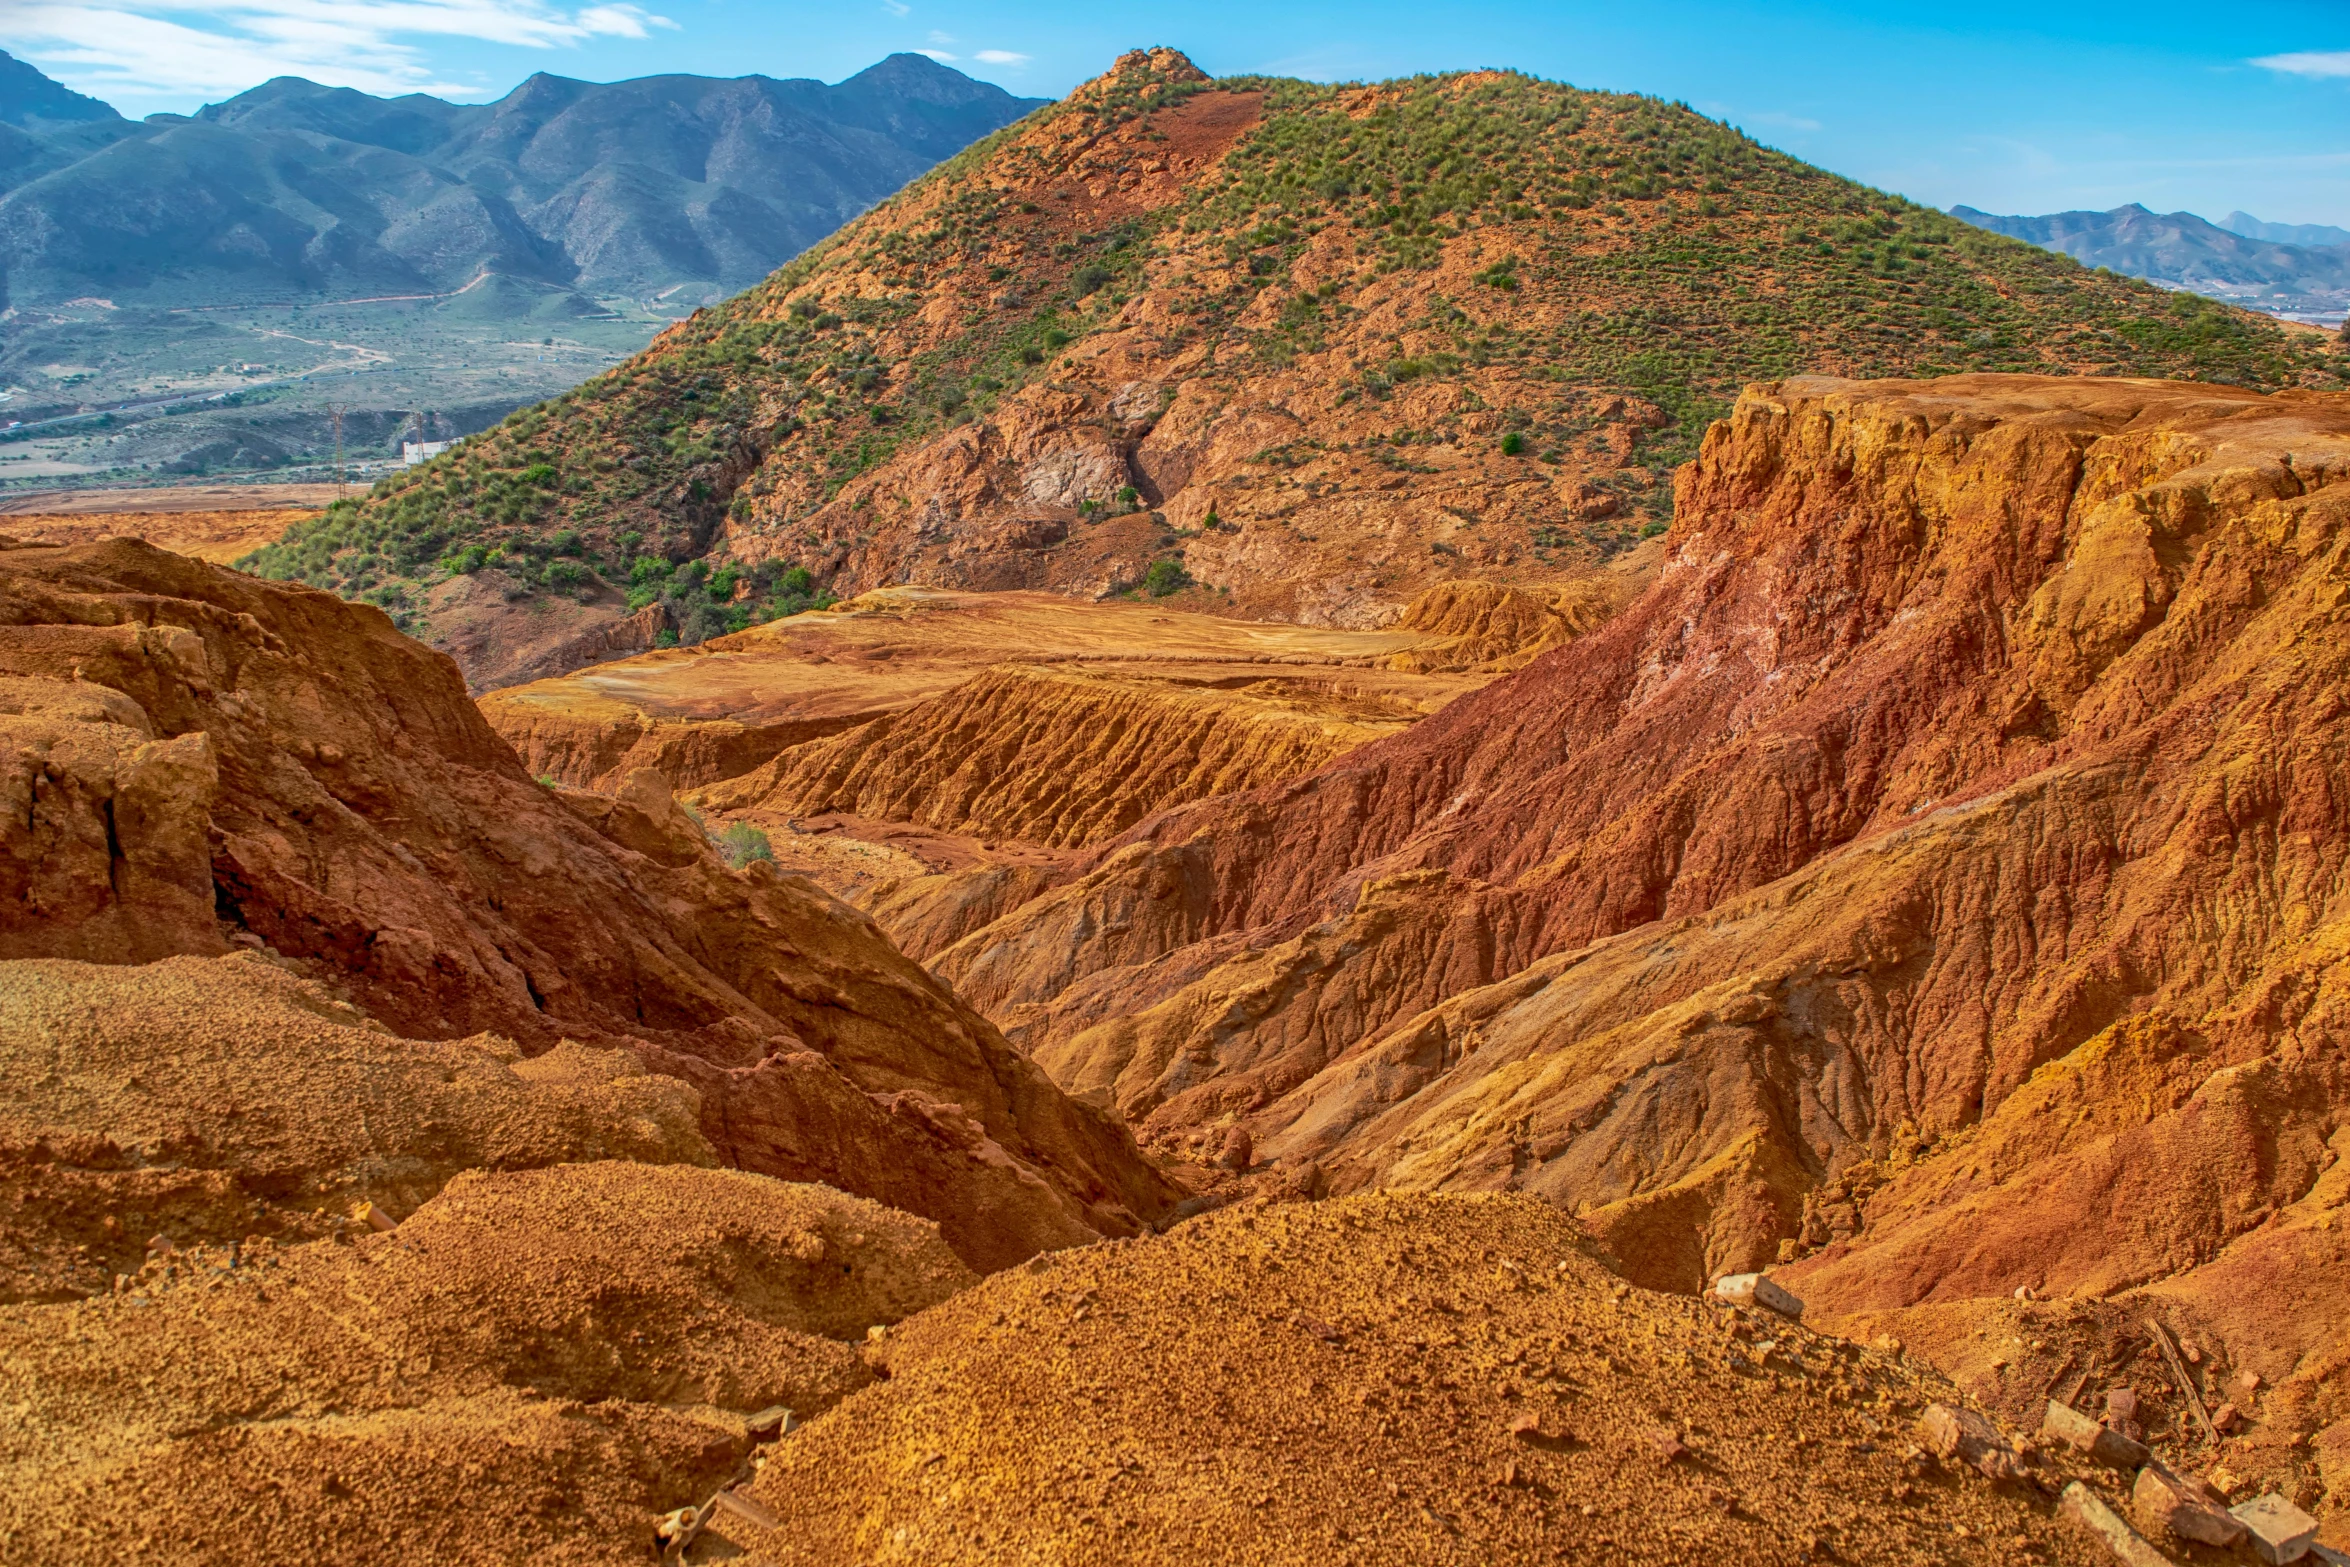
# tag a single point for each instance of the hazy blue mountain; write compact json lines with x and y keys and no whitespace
{"x":2250,"y":227}
{"x":295,"y":190}
{"x":2181,"y":249}
{"x":27,"y":98}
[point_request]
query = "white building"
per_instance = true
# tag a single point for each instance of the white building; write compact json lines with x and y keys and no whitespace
{"x":414,"y":452}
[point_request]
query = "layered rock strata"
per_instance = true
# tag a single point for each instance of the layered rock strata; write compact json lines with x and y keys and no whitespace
{"x":706,"y":714}
{"x":1964,"y":782}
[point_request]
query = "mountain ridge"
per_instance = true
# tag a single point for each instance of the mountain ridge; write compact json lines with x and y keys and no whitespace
{"x":27,"y":97}
{"x":2184,"y":251}
{"x":2250,"y":227}
{"x":296,"y":188}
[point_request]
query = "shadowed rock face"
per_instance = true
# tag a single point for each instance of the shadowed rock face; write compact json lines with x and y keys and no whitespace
{"x":1969,"y":780}
{"x":193,"y":761}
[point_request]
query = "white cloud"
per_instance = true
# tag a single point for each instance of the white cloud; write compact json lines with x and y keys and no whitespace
{"x":621,"y":21}
{"x":1769,"y":119}
{"x":940,"y":55}
{"x":213,"y":48}
{"x":1000,"y":57}
{"x":941,"y":39}
{"x":2316,"y":62}
{"x":896,"y":7}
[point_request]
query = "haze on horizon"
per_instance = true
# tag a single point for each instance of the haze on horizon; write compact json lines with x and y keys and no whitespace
{"x":2003,"y":106}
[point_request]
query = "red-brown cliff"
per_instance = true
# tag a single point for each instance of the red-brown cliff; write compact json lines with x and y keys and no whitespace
{"x":1968,"y":723}
{"x":194,"y":761}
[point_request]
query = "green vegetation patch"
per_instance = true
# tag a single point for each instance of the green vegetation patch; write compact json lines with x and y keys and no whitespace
{"x":1620,"y":245}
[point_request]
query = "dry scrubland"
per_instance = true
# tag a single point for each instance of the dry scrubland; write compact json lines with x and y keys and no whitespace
{"x":1256,"y":347}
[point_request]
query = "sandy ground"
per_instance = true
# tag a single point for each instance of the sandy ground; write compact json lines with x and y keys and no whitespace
{"x":216,"y":535}
{"x":179,"y":498}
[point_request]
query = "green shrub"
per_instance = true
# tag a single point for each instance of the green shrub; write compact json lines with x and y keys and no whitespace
{"x":739,"y":843}
{"x":1165,"y":576}
{"x":1512,"y":443}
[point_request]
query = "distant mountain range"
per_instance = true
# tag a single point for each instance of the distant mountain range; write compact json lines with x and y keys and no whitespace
{"x":2250,"y":227}
{"x":2306,"y":278}
{"x":662,"y":185}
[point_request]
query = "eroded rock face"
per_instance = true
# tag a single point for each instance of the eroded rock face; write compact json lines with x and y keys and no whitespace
{"x":199,"y":760}
{"x":1974,"y":749}
{"x":722,"y":710}
{"x":1067,"y":759}
{"x":935,"y":758}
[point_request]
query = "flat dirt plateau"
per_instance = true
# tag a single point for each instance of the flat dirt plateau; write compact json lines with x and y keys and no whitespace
{"x":217,"y":523}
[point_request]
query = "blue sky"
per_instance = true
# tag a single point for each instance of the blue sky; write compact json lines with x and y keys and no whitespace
{"x":2008,"y":106}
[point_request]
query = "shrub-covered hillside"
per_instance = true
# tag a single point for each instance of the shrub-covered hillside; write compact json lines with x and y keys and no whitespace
{"x":1308,"y":346}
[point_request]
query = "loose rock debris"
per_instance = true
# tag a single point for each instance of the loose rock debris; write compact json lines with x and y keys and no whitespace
{"x":1493,"y":1395}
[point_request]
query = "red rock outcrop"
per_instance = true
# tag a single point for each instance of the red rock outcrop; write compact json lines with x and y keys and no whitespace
{"x":193,"y":760}
{"x":1971,"y":768}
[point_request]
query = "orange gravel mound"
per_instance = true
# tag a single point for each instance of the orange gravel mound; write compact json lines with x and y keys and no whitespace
{"x":529,"y":1368}
{"x":211,"y":1099}
{"x":1380,"y":1379}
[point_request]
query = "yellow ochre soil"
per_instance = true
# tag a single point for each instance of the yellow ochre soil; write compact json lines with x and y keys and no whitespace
{"x":219,"y":536}
{"x":1384,"y":1379}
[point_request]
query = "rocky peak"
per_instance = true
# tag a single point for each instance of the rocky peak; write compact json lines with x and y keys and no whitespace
{"x":1157,"y":64}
